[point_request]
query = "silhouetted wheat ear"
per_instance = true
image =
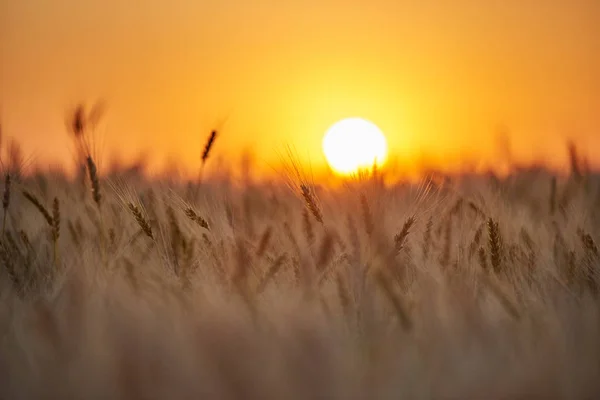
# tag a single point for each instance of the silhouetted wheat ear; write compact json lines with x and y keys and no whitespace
{"x":37,"y":204}
{"x":112,"y":237}
{"x":6,"y":196}
{"x":574,"y":160}
{"x":209,"y":144}
{"x":588,"y":243}
{"x":193,"y":216}
{"x":427,"y":238}
{"x":447,"y":248}
{"x":5,"y":201}
{"x":400,"y":238}
{"x":141,"y":220}
{"x":456,"y":207}
{"x":176,"y":236}
{"x":93,"y":173}
{"x":264,"y":242}
{"x":366,"y":214}
{"x":311,"y":202}
{"x":78,"y":121}
{"x":55,"y":219}
{"x":553,"y":195}
{"x":473,"y":247}
{"x":495,"y":244}
{"x":476,"y":209}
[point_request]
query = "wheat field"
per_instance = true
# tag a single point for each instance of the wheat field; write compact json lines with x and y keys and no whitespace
{"x":117,"y":286}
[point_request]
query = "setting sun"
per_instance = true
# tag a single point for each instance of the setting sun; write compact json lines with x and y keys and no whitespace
{"x":353,"y":144}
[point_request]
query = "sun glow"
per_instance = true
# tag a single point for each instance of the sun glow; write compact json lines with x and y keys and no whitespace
{"x":353,"y":144}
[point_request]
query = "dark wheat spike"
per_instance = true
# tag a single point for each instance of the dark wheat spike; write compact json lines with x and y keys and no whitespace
{"x":476,"y":241}
{"x":476,"y":209}
{"x":588,"y":243}
{"x":427,"y":238}
{"x":177,"y":240}
{"x":456,"y":207}
{"x":209,"y":145}
{"x":93,"y":172}
{"x":447,"y":248}
{"x":264,"y":242}
{"x":193,"y":216}
{"x":78,"y":121}
{"x":400,"y":238}
{"x":553,"y":195}
{"x":495,"y":244}
{"x":25,"y":239}
{"x":112,"y":236}
{"x":37,"y":204}
{"x":142,"y":222}
{"x":6,"y":196}
{"x":5,"y":201}
{"x":574,"y":160}
{"x":366,"y":213}
{"x":55,"y":219}
{"x":311,"y":203}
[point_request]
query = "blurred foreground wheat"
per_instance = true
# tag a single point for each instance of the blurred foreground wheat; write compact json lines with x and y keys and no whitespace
{"x":137,"y":289}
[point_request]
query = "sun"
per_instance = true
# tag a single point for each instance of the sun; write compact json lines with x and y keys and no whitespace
{"x":353,"y":144}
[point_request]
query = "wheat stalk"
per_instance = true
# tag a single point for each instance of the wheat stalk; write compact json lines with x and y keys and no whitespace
{"x":325,"y":252}
{"x":482,"y":257}
{"x":271,"y":272}
{"x":343,"y":295}
{"x":39,"y":206}
{"x":308,"y":229}
{"x":502,"y":297}
{"x":395,"y":300}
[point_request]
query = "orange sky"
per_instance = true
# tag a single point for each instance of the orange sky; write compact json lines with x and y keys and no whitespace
{"x":438,"y":77}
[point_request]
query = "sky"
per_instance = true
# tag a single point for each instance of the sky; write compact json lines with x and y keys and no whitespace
{"x":442,"y":79}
